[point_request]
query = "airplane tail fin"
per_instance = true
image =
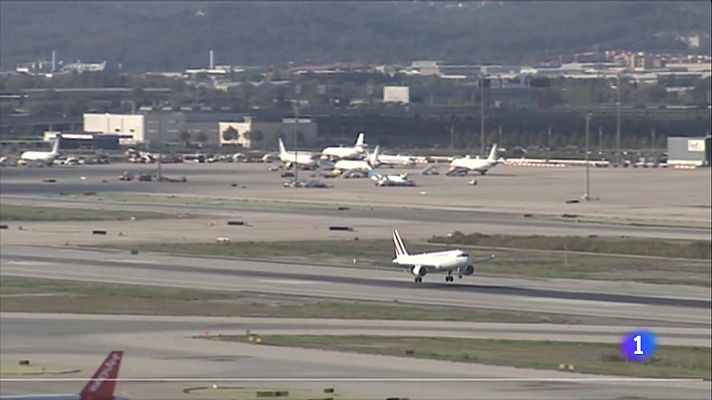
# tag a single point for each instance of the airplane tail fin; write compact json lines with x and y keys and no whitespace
{"x":493,"y":153}
{"x":373,"y":158}
{"x":282,"y":150}
{"x":398,"y":245}
{"x":55,"y":145}
{"x":360,"y":140}
{"x":102,"y":383}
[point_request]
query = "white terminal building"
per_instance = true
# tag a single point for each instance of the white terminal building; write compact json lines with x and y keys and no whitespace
{"x":177,"y":127}
{"x":252,"y":134}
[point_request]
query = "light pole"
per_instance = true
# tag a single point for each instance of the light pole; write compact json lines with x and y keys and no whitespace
{"x":482,"y":114}
{"x":618,"y":120}
{"x":298,"y":90}
{"x":159,"y":177}
{"x":587,"y":196}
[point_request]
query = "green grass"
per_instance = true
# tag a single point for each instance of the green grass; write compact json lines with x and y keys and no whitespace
{"x":695,"y":249}
{"x":231,"y":201}
{"x":593,"y":358}
{"x":60,"y":296}
{"x":9,"y":212}
{"x":509,"y":262}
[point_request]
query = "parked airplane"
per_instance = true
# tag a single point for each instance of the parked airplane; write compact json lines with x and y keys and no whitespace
{"x":44,"y":157}
{"x":304,"y":159}
{"x":440,"y":261}
{"x":390,"y":180}
{"x":476,"y":164}
{"x":371,"y":161}
{"x":346,"y":152}
{"x":396,"y":160}
{"x":100,"y":386}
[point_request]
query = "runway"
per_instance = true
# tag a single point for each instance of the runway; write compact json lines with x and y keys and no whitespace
{"x":354,"y":284}
{"x":163,"y":347}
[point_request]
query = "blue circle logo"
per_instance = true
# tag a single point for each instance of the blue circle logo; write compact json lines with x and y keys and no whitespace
{"x":638,"y":345}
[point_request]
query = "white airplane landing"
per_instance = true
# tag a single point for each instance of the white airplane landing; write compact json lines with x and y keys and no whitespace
{"x":448,"y":261}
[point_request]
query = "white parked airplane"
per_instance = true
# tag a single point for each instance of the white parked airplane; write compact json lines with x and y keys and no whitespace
{"x":304,"y":159}
{"x":346,"y":152}
{"x":476,"y":164}
{"x":366,"y":164}
{"x":45,"y":157}
{"x":440,"y":261}
{"x":396,"y":160}
{"x":100,"y":386}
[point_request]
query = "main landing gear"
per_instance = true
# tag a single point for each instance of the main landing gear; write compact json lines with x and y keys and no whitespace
{"x":418,"y":279}
{"x":449,"y":277}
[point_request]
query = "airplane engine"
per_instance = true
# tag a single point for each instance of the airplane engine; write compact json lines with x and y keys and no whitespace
{"x":468,"y":270}
{"x":419,"y":270}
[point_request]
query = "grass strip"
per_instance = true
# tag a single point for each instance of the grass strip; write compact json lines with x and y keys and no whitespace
{"x":10,"y":212}
{"x":590,"y":358}
{"x":62,"y":296}
{"x":678,"y":248}
{"x":522,"y":263}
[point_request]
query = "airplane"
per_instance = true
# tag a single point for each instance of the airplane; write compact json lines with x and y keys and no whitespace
{"x":476,"y":164}
{"x":346,"y":152}
{"x":396,"y":160}
{"x":43,"y":157}
{"x":304,"y":159}
{"x":440,"y":261}
{"x":100,"y":386}
{"x":390,"y":180}
{"x":371,"y":160}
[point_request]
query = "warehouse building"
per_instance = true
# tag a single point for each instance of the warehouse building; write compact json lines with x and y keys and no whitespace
{"x":251,"y":134}
{"x":688,"y":150}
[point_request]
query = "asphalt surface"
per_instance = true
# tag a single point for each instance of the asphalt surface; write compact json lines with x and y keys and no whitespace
{"x":668,"y":203}
{"x":352,"y":284}
{"x":164,"y":347}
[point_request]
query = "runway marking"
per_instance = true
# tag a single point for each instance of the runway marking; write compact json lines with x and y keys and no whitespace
{"x":19,"y":262}
{"x":125,"y":261}
{"x":287,"y":281}
{"x":327,"y":379}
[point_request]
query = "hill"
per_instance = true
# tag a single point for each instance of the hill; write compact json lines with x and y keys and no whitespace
{"x":176,"y":35}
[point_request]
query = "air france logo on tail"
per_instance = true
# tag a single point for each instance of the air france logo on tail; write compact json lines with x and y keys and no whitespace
{"x":398,"y":246}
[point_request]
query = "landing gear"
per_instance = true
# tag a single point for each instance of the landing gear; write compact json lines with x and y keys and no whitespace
{"x":449,"y":277}
{"x":459,"y":276}
{"x":418,"y":279}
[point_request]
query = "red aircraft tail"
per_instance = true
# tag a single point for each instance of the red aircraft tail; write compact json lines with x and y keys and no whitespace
{"x":102,"y":383}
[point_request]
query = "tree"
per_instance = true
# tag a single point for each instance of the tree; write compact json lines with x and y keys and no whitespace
{"x":229,"y":134}
{"x":185,"y":137}
{"x":202,"y":137}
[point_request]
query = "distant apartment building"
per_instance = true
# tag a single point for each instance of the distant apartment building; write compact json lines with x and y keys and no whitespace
{"x":643,"y":61}
{"x":396,"y":94}
{"x":251,"y":134}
